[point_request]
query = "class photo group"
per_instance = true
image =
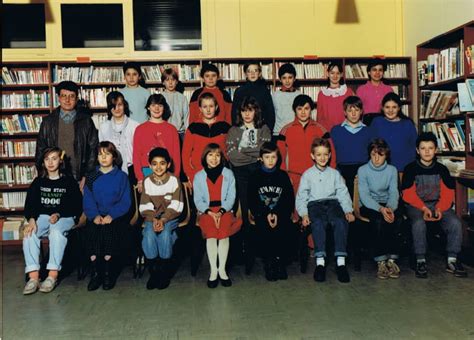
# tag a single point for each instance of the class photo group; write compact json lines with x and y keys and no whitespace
{"x":257,"y":174}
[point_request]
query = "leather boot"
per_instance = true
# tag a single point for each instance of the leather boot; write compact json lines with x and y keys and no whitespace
{"x":96,"y":275}
{"x":109,"y":277}
{"x":152,"y":282}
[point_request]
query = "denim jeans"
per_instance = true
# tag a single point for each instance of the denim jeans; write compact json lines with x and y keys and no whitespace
{"x":322,"y":214}
{"x":159,"y":243}
{"x":57,"y":242}
{"x":450,"y":224}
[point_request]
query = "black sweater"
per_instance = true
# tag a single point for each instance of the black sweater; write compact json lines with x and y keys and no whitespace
{"x":271,"y":192}
{"x":46,"y":196}
{"x":261,"y":93}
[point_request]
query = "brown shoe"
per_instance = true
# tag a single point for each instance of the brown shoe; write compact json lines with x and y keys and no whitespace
{"x":393,"y":269}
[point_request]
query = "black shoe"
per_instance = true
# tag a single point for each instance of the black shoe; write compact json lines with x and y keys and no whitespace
{"x":270,"y":270}
{"x":281,"y":270}
{"x":456,"y":269}
{"x":164,"y":274}
{"x":226,"y":283}
{"x":421,"y":270}
{"x":109,"y":278}
{"x":319,"y":274}
{"x":342,"y":274}
{"x":213,"y":284}
{"x":96,"y":276}
{"x":152,"y":282}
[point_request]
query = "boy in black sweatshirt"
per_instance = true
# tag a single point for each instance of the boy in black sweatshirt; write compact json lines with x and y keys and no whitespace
{"x":271,"y":202}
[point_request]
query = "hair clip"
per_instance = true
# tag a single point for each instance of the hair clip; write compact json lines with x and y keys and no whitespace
{"x":62,"y":155}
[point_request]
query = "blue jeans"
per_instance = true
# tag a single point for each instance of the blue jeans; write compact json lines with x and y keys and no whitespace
{"x":450,"y":224}
{"x":322,"y":214}
{"x":57,"y":243}
{"x":160,"y":243}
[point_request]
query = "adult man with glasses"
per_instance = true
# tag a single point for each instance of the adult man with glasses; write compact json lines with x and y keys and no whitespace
{"x":71,"y":129}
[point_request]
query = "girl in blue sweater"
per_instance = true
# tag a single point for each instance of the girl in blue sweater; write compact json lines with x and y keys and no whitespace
{"x":378,"y":192}
{"x":397,"y":130}
{"x":106,"y":204}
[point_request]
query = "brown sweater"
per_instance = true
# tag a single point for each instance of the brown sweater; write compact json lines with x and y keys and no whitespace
{"x":161,"y":199}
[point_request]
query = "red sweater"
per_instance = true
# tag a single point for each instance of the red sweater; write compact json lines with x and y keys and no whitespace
{"x":197,"y":137}
{"x":331,"y":110}
{"x":149,"y":136}
{"x":223,"y":101}
{"x":295,"y":142}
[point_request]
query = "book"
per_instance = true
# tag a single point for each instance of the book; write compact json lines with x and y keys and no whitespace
{"x":465,"y":102}
{"x":470,"y":88}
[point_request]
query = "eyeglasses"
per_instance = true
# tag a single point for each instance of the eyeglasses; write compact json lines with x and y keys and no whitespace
{"x":67,"y":96}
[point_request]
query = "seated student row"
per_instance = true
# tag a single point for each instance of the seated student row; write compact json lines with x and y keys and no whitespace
{"x":308,"y":103}
{"x":322,"y":198}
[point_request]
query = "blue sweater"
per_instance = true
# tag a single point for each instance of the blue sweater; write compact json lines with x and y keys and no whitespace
{"x":201,"y":190}
{"x":400,"y":137}
{"x":351,"y":148}
{"x":107,"y":194}
{"x":317,"y":185}
{"x":378,"y":185}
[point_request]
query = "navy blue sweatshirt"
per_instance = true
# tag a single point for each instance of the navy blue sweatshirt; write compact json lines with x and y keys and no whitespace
{"x":107,"y":194}
{"x":351,"y":148}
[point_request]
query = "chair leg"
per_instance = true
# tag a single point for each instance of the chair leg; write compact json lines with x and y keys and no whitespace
{"x":303,"y":251}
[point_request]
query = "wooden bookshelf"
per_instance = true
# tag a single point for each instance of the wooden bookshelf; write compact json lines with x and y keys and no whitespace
{"x":434,"y":50}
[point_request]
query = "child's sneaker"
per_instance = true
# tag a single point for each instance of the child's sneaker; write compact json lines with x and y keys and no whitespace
{"x":456,"y":268}
{"x":342,"y":274}
{"x":48,"y":285}
{"x":382,"y":270}
{"x":393,"y":269}
{"x":421,"y":270}
{"x":31,"y":287}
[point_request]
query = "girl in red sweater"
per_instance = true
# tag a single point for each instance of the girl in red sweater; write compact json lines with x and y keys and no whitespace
{"x":154,"y":133}
{"x":200,"y":134}
{"x":331,"y":97}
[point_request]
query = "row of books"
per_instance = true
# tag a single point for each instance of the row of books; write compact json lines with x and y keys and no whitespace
{"x":12,"y":200}
{"x":236,"y":71}
{"x":402,"y":91}
{"x":184,"y":71}
{"x":11,"y":174}
{"x":391,"y":71}
{"x":445,"y":65}
{"x":86,"y":75}
{"x":20,"y":123}
{"x":438,"y":104}
{"x":469,"y":53}
{"x":450,"y":135}
{"x":24,"y":76}
{"x":32,"y":99}
{"x":12,"y":149}
{"x":456,"y":165}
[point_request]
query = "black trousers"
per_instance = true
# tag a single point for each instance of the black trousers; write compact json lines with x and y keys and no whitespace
{"x":273,"y":242}
{"x":105,"y":239}
{"x":349,"y":172}
{"x":383,"y":236}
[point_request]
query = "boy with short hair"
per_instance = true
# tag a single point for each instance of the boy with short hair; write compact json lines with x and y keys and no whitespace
{"x":161,"y":205}
{"x":323,"y":199}
{"x":283,"y":99}
{"x":210,"y":77}
{"x":295,"y":140}
{"x":351,"y":139}
{"x":428,"y":191}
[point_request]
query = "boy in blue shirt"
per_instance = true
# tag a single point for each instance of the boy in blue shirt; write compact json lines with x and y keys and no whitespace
{"x":323,"y":199}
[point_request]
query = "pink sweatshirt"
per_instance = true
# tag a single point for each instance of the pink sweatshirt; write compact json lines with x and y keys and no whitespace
{"x":330,"y":108}
{"x":151,"y":135}
{"x":372,"y":96}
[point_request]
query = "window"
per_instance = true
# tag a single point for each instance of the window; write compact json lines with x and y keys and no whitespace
{"x":167,"y":25}
{"x":91,"y":25}
{"x":16,"y":33}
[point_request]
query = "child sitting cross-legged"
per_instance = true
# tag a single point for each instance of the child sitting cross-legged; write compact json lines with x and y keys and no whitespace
{"x":323,"y":199}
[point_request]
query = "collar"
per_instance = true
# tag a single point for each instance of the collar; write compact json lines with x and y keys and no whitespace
{"x":157,"y":181}
{"x":433,"y":163}
{"x":267,"y":170}
{"x":284,"y":89}
{"x":380,"y":168}
{"x":319,"y":170}
{"x":346,"y":123}
{"x":67,"y":117}
{"x":337,"y":92}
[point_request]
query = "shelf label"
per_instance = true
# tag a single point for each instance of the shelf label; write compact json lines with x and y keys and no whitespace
{"x":83,"y":59}
{"x":379,"y":56}
{"x":310,"y":56}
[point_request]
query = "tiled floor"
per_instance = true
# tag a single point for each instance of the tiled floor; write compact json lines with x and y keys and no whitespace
{"x":441,"y":307}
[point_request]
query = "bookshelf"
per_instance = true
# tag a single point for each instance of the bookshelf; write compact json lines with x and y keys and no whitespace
{"x":442,"y":63}
{"x":28,"y":94}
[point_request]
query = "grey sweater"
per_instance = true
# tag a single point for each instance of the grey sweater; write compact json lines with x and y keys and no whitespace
{"x":240,"y":156}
